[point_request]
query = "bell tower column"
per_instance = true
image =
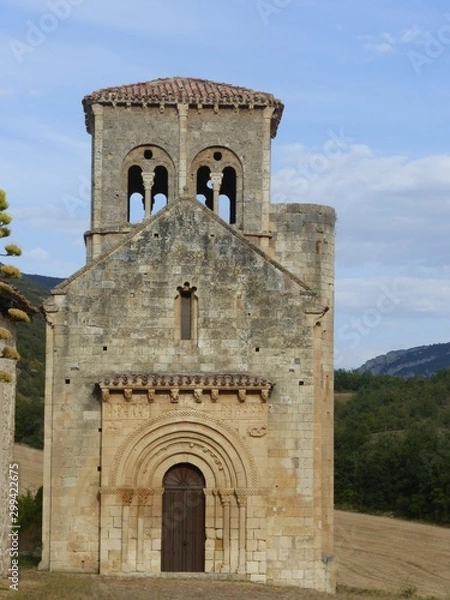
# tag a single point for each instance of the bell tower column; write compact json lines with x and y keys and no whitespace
{"x":182,"y":166}
{"x":147,"y":180}
{"x":216,"y":181}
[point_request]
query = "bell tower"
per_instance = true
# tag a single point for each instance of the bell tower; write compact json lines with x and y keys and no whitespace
{"x":165,"y":139}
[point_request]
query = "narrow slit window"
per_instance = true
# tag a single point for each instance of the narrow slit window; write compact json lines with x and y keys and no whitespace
{"x":186,"y":308}
{"x":186,"y":316}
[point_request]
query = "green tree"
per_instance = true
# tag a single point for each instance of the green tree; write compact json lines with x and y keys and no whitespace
{"x":13,"y":308}
{"x":392,"y":446}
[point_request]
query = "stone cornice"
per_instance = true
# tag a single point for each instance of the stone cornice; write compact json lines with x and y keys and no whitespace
{"x":173,"y":91}
{"x":214,"y":384}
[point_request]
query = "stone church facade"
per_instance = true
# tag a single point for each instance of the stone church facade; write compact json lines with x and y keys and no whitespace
{"x":189,"y":387}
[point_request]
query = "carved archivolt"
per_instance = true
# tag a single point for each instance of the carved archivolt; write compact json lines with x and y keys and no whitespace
{"x":184,"y":436}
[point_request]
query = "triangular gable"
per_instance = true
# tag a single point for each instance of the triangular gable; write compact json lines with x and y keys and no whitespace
{"x":192,"y":205}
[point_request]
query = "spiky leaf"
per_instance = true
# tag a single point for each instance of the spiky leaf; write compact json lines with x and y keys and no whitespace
{"x":5,"y":334}
{"x":10,"y":271}
{"x":16,"y":314}
{"x":11,"y":353}
{"x":13,"y":250}
{"x":5,"y":377}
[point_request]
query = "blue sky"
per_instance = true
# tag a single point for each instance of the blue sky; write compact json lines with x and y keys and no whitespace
{"x":367,"y":98}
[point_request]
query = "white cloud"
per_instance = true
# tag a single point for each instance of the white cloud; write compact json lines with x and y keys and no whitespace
{"x":37,"y":253}
{"x":407,"y":297}
{"x":380,"y":47}
{"x":392,"y":246}
{"x":389,"y":42}
{"x":383,"y":43}
{"x":391,"y":209}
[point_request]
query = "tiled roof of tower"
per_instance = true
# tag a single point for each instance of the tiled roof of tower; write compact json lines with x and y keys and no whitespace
{"x":195,"y":92}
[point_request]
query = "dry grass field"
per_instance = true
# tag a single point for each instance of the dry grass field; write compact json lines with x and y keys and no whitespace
{"x":389,"y":554}
{"x":30,"y":467}
{"x":378,"y":557}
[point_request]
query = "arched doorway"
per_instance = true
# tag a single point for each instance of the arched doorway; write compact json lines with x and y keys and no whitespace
{"x":183,"y":521}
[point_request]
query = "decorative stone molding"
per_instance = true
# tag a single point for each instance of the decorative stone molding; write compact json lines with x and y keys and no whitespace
{"x":257,"y":431}
{"x":197,"y":384}
{"x":225,"y":495}
{"x":239,"y":492}
{"x":127,"y":492}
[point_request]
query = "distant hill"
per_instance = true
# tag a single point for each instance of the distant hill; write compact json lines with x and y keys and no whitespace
{"x":35,"y":287}
{"x":43,"y":280}
{"x":419,"y":361}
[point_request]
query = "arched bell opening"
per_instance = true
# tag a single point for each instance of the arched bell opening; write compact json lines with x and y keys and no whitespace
{"x":148,"y":179}
{"x":227,"y":195}
{"x":216,"y":179}
{"x":135,"y":195}
{"x":204,"y":191}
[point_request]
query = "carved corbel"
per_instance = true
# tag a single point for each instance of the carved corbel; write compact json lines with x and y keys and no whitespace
{"x":198,"y":395}
{"x":105,"y":394}
{"x":242,"y":393}
{"x":214,"y":395}
{"x":174,"y":395}
{"x":151,"y":394}
{"x":264,"y":395}
{"x":128,"y":394}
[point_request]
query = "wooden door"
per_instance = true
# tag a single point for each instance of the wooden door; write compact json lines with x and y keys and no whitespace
{"x":183,"y":521}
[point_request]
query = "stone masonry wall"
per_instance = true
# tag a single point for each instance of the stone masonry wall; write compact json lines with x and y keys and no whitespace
{"x":118,"y":316}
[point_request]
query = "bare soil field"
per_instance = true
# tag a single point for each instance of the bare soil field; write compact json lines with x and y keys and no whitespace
{"x":378,"y":557}
{"x":389,"y":554}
